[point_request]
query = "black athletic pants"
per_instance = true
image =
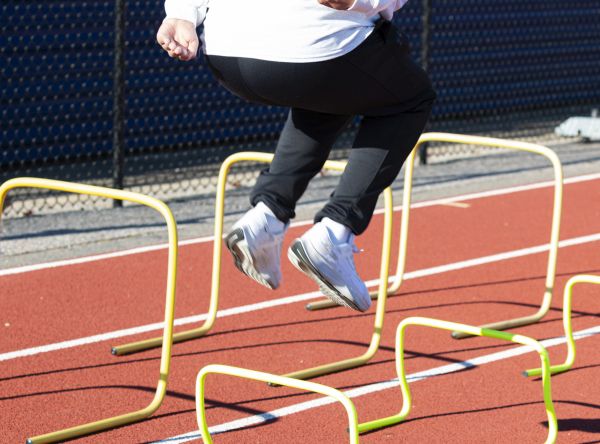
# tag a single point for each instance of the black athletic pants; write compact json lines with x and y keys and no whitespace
{"x":377,"y":80}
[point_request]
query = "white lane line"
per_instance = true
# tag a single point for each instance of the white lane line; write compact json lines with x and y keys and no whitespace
{"x":500,"y":191}
{"x":461,"y":205}
{"x":500,"y":256}
{"x":376,"y":387}
{"x":290,"y":299}
{"x":98,"y":257}
{"x":156,"y":326}
{"x":444,"y":201}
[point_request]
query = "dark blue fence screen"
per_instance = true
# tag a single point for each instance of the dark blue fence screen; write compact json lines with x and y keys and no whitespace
{"x":500,"y":63}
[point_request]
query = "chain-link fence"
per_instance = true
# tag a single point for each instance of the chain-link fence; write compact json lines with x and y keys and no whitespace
{"x":506,"y":68}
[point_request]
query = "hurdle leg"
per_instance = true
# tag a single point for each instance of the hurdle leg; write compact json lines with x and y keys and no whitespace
{"x":198,"y":332}
{"x":272,"y":380}
{"x":472,"y":331}
{"x":165,"y":361}
{"x":567,"y":304}
{"x":207,"y":325}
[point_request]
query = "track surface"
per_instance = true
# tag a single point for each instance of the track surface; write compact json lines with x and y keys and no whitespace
{"x":487,"y":403}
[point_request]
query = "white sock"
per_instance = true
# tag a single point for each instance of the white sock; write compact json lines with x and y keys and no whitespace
{"x":275,"y":225}
{"x":341,"y":233}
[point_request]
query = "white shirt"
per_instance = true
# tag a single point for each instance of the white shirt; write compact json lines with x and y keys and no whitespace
{"x":281,"y":30}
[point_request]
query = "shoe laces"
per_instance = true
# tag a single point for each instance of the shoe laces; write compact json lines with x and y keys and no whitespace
{"x":355,"y":249}
{"x":349,"y":258}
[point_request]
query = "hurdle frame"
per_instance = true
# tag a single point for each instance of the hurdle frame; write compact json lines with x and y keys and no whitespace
{"x":165,"y":361}
{"x":567,"y":324}
{"x":271,"y":380}
{"x":406,"y":203}
{"x":249,"y":156}
{"x":471,"y":331}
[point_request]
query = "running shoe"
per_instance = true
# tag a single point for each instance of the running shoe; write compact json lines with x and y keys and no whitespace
{"x":331,"y":265}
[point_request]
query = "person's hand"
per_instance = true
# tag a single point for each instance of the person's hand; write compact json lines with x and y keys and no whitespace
{"x":178,"y":38}
{"x":337,"y":4}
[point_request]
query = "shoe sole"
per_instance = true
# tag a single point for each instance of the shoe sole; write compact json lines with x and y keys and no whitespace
{"x":242,"y":258}
{"x":299,"y":259}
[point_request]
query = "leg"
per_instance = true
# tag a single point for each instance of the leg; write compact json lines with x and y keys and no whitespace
{"x":325,"y":252}
{"x":255,"y":240}
{"x":303,"y":148}
{"x":379,"y":150}
{"x":313,"y":124}
{"x":401,"y":98}
{"x":304,"y":145}
{"x":396,"y":99}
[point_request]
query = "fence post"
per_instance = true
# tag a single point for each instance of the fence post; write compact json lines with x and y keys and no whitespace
{"x":119,"y":99}
{"x":425,"y":62}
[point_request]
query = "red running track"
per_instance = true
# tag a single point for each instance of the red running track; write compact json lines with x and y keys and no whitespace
{"x":488,"y":403}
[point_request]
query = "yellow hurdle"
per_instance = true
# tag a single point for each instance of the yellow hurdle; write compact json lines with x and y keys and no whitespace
{"x":127,"y":418}
{"x":567,"y":304}
{"x":554,"y":236}
{"x":273,"y":380}
{"x":354,"y":427}
{"x":472,"y":331}
{"x":216,"y":274}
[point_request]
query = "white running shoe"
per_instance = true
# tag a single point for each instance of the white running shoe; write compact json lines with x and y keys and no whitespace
{"x":331,"y":265}
{"x":256,"y":245}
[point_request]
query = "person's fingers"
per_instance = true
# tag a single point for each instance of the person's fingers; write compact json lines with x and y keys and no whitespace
{"x":182,"y":47}
{"x":180,"y":51}
{"x":165,"y":45}
{"x":162,"y":38}
{"x":164,"y":35}
{"x":173,"y":52}
{"x":163,"y":41}
{"x":187,"y":57}
{"x":193,"y":48}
